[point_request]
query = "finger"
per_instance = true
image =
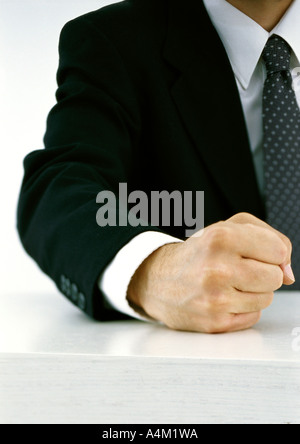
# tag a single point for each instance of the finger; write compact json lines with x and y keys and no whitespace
{"x":259,"y":243}
{"x":245,"y":218}
{"x":242,"y":302}
{"x":257,"y":277}
{"x":243,"y":321}
{"x":223,"y":323}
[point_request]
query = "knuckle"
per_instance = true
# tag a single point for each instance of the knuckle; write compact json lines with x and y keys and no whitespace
{"x":243,"y":218}
{"x":215,"y":278}
{"x":248,"y":226}
{"x":218,"y":238}
{"x":220,"y":302}
{"x":214,"y":303}
{"x":224,"y":276}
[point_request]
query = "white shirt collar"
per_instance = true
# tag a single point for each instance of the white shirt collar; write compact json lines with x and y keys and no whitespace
{"x":244,"y":39}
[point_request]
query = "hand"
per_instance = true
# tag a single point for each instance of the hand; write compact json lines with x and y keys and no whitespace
{"x":217,"y":281}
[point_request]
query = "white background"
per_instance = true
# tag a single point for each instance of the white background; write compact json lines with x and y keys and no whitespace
{"x":29,"y":33}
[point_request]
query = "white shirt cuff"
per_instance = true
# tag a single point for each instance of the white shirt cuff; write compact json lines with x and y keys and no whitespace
{"x":114,"y":282}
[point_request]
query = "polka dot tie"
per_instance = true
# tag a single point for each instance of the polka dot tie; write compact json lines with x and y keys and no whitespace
{"x":281,"y":118}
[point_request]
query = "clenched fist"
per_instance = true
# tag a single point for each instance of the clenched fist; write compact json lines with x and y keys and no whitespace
{"x":217,"y":281}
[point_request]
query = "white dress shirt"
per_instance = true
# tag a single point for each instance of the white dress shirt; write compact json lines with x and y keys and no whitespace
{"x":244,"y":41}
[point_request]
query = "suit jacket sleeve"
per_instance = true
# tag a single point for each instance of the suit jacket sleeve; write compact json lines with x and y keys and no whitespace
{"x":91,"y":145}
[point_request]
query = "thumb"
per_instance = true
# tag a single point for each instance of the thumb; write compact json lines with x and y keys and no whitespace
{"x":288,"y":274}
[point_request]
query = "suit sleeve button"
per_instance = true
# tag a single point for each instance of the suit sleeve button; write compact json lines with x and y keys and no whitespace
{"x":74,"y":292}
{"x":68,"y":288}
{"x":81,"y":301}
{"x":63,"y":286}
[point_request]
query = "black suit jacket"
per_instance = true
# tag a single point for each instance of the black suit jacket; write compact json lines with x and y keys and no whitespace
{"x":146,"y":95}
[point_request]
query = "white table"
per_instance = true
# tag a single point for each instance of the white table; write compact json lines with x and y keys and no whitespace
{"x":59,"y":366}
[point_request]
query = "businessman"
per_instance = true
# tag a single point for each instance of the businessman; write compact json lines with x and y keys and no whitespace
{"x":172,"y":95}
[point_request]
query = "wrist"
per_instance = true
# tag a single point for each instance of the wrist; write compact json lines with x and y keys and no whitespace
{"x":146,"y":282}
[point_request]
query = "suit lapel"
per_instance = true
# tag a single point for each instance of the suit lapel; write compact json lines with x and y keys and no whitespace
{"x":208,"y":101}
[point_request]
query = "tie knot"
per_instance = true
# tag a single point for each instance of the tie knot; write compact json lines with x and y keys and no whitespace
{"x":277,"y":55}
